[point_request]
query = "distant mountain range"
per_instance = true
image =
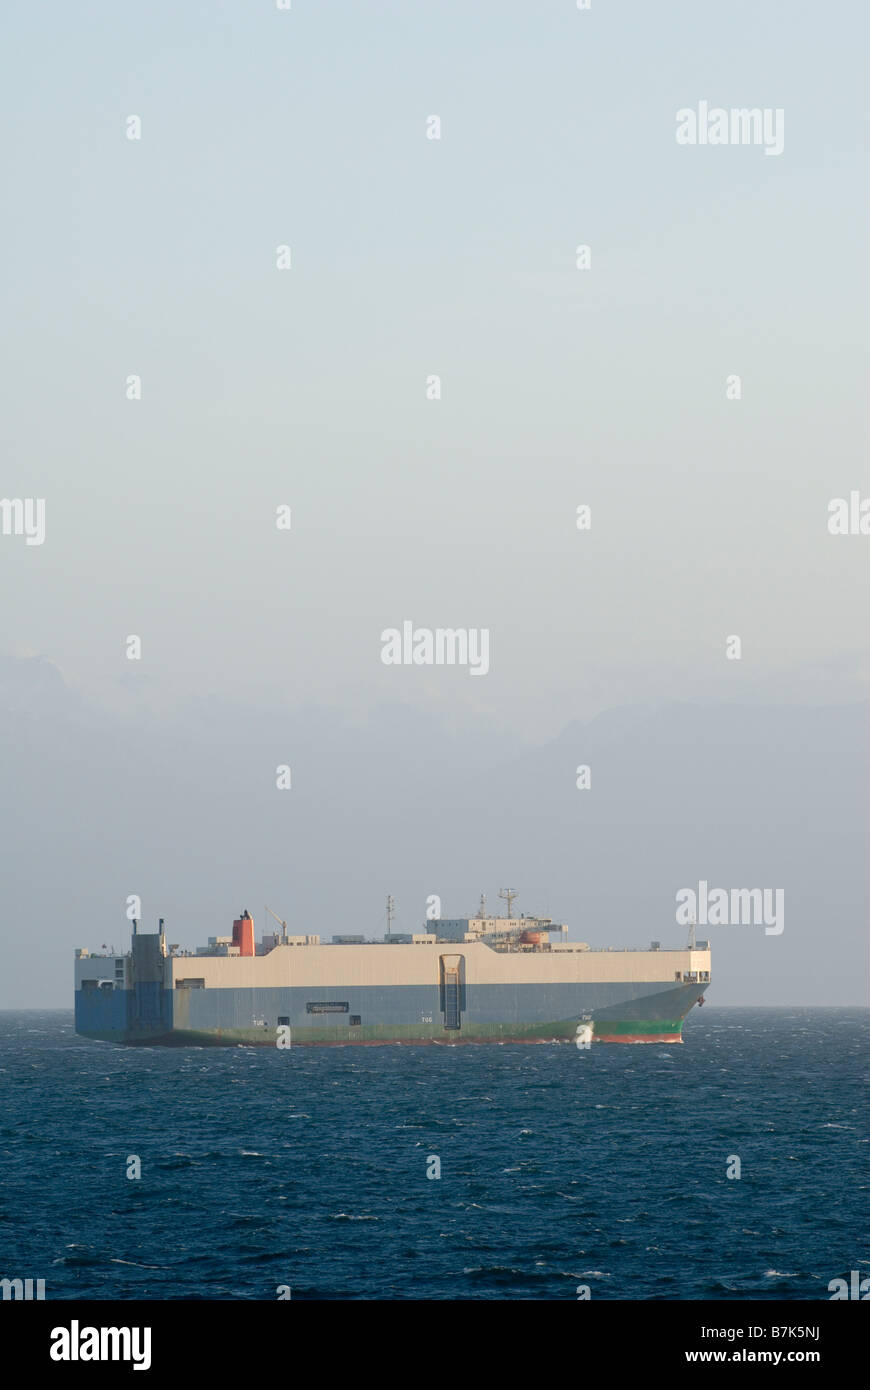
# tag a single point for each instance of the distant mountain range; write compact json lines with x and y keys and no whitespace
{"x":182,"y":809}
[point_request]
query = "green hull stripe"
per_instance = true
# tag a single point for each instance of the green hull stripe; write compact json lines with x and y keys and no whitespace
{"x":423,"y":1033}
{"x":604,"y":1025}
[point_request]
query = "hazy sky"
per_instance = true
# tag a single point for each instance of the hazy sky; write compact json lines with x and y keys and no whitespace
{"x":307,"y":387}
{"x":410,"y":257}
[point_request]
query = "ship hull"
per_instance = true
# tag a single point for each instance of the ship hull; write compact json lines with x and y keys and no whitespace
{"x":649,"y":1012}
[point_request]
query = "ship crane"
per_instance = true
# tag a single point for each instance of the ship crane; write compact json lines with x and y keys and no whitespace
{"x":281,"y":924}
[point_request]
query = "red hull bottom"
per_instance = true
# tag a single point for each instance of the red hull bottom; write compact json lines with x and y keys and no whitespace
{"x":482,"y":1042}
{"x":638,"y":1037}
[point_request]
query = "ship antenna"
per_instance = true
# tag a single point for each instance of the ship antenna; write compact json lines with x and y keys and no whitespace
{"x":692,"y":935}
{"x":508,"y":894}
{"x":482,"y":910}
{"x":391,"y":907}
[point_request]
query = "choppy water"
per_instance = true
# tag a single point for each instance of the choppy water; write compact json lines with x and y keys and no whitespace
{"x":307,"y":1167}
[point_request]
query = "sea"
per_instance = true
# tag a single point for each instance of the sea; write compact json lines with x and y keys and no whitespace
{"x":733,"y":1166}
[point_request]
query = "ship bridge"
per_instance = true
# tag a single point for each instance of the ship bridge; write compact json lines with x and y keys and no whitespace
{"x":501,"y":933}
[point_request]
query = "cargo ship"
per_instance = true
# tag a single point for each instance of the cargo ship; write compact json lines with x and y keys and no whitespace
{"x":468,"y":979}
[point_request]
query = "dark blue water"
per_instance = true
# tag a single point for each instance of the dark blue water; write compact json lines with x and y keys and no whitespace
{"x":307,"y":1167}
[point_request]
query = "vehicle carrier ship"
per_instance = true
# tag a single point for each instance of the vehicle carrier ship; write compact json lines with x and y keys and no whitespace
{"x":469,"y":979}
